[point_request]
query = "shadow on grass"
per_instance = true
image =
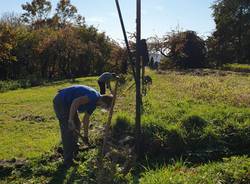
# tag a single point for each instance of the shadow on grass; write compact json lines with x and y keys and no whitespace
{"x":59,"y":176}
{"x":72,"y":175}
{"x":191,"y":141}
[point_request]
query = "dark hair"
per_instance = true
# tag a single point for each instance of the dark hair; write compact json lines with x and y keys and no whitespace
{"x":107,"y":99}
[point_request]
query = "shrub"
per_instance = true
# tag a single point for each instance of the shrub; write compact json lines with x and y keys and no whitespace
{"x":187,"y":49}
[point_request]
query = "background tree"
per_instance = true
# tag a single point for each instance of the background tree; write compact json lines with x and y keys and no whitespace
{"x":118,"y":58}
{"x":37,"y":12}
{"x":186,"y":49}
{"x":232,"y":36}
{"x":57,"y":47}
{"x":12,"y":19}
{"x":7,"y":44}
{"x":156,"y":44}
{"x":66,"y":13}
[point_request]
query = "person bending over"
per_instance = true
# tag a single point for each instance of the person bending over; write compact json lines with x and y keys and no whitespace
{"x":70,"y":101}
{"x":104,"y":81}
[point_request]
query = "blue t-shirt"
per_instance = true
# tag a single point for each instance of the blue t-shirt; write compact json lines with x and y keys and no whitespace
{"x":71,"y":93}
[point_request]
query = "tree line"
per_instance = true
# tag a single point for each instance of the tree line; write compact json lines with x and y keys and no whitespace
{"x":38,"y":45}
{"x":229,"y":43}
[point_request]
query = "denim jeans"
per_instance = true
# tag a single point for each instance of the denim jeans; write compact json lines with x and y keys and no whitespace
{"x":69,"y":138}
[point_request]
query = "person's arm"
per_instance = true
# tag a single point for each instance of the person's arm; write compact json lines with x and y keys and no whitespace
{"x":73,"y":109}
{"x":108,"y":85}
{"x":113,"y":78}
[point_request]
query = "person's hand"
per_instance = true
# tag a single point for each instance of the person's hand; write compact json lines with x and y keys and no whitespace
{"x":71,"y":125}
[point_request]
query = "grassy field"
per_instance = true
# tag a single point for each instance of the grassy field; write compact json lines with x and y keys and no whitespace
{"x":237,"y":67}
{"x":231,"y":170}
{"x":197,"y":116}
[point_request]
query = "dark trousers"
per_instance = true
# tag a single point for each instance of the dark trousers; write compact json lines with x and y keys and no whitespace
{"x":69,"y":138}
{"x":102,"y":87}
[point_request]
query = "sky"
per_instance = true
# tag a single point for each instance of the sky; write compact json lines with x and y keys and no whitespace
{"x":158,"y":16}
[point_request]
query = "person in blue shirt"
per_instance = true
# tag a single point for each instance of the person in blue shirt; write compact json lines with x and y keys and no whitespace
{"x":67,"y":104}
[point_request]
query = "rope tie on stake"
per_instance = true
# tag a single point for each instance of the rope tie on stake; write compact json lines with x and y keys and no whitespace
{"x":107,"y":126}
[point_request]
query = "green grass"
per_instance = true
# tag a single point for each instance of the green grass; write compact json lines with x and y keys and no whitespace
{"x":236,"y":67}
{"x":232,"y":170}
{"x":30,"y":81}
{"x":220,"y":99}
{"x":184,"y":112}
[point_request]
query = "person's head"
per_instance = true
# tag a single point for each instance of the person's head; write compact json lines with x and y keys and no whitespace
{"x":105,"y":101}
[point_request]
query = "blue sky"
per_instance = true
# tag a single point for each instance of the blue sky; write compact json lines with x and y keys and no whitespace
{"x":158,"y":16}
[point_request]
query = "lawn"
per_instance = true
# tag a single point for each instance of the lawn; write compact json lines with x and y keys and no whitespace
{"x":184,"y":113}
{"x":237,"y":67}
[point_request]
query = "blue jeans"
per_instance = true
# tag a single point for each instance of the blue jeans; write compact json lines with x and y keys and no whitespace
{"x":69,"y":138}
